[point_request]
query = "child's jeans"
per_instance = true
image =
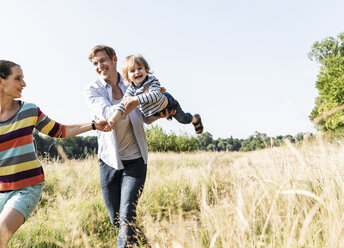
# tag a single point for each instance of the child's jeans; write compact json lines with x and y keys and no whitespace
{"x":180,"y":116}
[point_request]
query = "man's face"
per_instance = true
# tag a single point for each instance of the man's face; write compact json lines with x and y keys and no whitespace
{"x":105,"y":66}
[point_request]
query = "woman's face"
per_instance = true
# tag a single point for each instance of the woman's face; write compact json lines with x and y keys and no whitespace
{"x":14,"y":84}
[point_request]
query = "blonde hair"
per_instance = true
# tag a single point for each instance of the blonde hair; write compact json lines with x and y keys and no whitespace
{"x":129,"y":62}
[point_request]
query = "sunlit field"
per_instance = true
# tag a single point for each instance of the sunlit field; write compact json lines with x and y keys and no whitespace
{"x":290,"y":196}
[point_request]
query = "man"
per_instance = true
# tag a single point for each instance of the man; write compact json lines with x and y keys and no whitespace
{"x":123,"y":153}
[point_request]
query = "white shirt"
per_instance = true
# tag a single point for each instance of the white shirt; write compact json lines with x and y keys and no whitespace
{"x":99,"y":100}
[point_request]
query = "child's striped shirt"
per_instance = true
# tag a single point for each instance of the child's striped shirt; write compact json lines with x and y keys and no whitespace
{"x":150,"y":102}
{"x":19,"y":165}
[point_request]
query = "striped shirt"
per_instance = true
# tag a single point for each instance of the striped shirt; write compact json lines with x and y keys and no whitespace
{"x":19,"y":165}
{"x":150,"y":102}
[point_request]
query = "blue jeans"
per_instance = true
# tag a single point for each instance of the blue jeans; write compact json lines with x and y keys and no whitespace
{"x":121,"y":190}
{"x":180,"y":116}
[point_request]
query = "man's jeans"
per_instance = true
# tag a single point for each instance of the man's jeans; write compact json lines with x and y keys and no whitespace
{"x":121,"y":190}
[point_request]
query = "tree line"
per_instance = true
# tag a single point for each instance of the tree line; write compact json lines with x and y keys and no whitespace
{"x":160,"y":141}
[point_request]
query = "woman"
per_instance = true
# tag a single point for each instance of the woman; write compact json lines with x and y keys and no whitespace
{"x":21,"y":175}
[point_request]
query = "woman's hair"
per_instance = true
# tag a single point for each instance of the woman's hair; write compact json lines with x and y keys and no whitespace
{"x":129,"y":62}
{"x":109,"y":51}
{"x":5,"y":68}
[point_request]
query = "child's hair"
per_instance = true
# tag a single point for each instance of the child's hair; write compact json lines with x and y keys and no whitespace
{"x":129,"y":62}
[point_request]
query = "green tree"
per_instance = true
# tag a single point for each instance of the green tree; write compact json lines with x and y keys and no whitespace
{"x":329,"y":53}
{"x":74,"y":147}
{"x":204,"y":140}
{"x":44,"y":145}
{"x":159,"y":141}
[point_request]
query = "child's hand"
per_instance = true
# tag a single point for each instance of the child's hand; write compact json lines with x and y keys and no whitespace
{"x":130,"y":103}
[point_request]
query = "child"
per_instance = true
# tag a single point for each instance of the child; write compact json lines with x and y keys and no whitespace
{"x":145,"y":90}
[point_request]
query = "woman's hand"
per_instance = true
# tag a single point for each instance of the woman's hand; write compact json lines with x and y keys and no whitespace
{"x":103,"y":125}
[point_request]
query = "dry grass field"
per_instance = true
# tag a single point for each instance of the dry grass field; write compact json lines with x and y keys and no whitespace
{"x":289,"y":196}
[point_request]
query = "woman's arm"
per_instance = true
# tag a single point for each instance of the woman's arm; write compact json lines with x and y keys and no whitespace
{"x":75,"y":129}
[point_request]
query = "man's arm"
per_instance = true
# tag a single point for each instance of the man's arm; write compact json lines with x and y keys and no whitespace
{"x":151,"y":119}
{"x":115,"y":117}
{"x":98,"y":103}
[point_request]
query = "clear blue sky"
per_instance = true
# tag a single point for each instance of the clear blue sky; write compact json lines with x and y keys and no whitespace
{"x":241,"y":64}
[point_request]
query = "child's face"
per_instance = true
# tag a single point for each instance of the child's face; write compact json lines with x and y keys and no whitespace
{"x":137,"y":74}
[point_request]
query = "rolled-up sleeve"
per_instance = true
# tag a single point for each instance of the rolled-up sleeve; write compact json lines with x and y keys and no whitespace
{"x":98,"y":100}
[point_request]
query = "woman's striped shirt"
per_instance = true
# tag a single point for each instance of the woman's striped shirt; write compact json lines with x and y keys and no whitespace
{"x":19,"y":165}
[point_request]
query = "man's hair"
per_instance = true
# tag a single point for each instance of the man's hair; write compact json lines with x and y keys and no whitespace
{"x":5,"y":68}
{"x":109,"y":50}
{"x":129,"y":62}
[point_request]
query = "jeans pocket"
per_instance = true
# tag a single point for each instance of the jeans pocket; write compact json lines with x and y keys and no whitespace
{"x":135,"y":168}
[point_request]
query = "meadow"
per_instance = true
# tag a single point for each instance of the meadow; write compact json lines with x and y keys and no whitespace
{"x":290,"y":196}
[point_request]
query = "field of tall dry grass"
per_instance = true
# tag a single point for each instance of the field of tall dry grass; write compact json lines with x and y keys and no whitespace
{"x":290,"y":196}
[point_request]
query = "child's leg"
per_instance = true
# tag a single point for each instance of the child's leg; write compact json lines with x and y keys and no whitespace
{"x":180,"y":116}
{"x":197,"y":122}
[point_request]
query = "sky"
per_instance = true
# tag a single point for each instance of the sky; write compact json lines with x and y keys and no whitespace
{"x":242,"y":65}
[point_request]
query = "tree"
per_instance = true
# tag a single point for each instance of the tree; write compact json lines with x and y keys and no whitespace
{"x":329,"y":53}
{"x":157,"y":140}
{"x":204,"y":140}
{"x":74,"y":147}
{"x":44,"y":145}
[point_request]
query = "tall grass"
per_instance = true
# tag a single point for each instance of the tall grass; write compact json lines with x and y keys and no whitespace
{"x":289,"y":196}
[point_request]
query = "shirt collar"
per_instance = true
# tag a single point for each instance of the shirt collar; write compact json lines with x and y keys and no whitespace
{"x":105,"y":84}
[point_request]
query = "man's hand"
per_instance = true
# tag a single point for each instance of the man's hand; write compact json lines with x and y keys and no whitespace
{"x":163,"y":114}
{"x":162,"y":89}
{"x":103,"y":125}
{"x":167,"y":114}
{"x":130,"y":103}
{"x":112,"y":123}
{"x":114,"y":118}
